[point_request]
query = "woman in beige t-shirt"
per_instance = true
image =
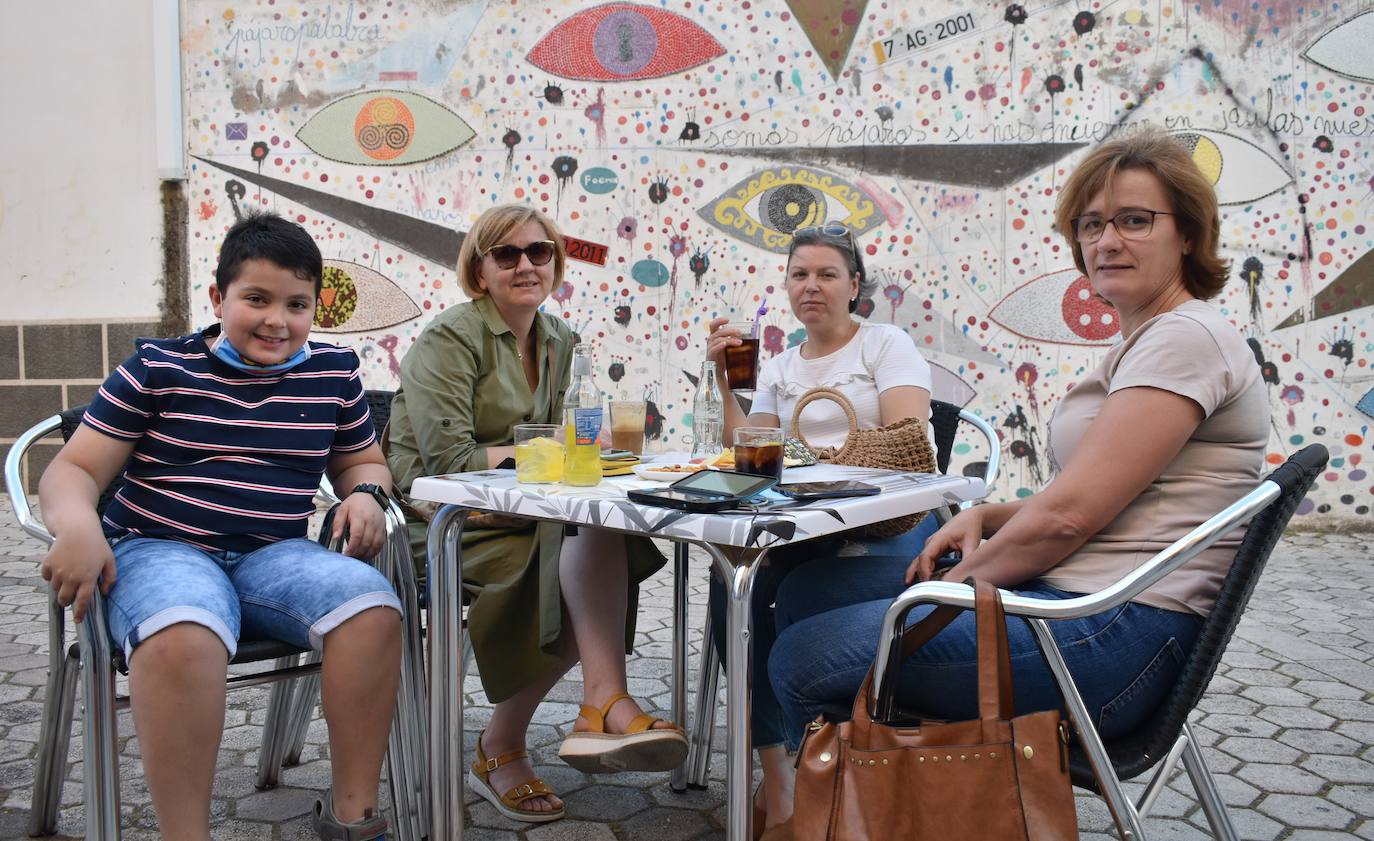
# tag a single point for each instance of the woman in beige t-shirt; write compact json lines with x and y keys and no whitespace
{"x":1169,"y":429}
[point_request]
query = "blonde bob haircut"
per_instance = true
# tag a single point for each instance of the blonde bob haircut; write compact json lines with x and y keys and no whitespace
{"x":1190,"y":194}
{"x":491,"y":229}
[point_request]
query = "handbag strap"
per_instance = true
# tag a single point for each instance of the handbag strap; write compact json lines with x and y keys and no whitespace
{"x":994,"y":661}
{"x":820,"y":393}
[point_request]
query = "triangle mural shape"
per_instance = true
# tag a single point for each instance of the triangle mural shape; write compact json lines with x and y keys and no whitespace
{"x":831,"y":26}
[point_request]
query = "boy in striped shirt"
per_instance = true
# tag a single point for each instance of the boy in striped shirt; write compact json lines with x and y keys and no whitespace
{"x":222,"y":437}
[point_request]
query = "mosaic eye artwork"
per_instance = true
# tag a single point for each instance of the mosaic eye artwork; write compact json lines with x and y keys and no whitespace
{"x":355,"y":299}
{"x":1058,"y":308}
{"x":384,"y":128}
{"x":621,"y":42}
{"x":766,"y":207}
{"x":1344,"y":49}
{"x":1240,"y":171}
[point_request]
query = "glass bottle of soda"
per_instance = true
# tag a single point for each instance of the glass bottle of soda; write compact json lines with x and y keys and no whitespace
{"x":708,"y":414}
{"x":582,"y":423}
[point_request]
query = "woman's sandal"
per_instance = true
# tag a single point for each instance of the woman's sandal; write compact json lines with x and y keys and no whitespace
{"x":508,"y":804}
{"x":639,"y":748}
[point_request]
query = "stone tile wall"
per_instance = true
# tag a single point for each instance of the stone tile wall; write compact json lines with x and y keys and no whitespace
{"x":48,"y":367}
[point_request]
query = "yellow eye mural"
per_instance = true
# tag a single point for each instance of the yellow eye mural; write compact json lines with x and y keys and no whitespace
{"x":384,"y":128}
{"x":766,"y":207}
{"x":355,"y":299}
{"x":1240,"y":171}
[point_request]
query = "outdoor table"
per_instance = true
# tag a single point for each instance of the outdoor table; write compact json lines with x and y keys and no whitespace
{"x":749,"y":532}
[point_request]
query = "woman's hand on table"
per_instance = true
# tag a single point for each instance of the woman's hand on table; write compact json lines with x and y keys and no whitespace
{"x":962,"y":534}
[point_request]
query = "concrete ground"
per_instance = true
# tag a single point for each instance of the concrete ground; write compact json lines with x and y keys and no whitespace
{"x":1288,"y":721}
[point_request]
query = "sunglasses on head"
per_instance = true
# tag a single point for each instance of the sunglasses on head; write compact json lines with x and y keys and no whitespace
{"x":507,"y":256}
{"x":829,"y":229}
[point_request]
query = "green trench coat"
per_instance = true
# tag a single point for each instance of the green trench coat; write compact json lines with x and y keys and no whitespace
{"x":462,"y":390}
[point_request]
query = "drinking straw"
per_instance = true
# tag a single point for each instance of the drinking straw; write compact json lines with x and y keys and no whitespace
{"x":758,"y":315}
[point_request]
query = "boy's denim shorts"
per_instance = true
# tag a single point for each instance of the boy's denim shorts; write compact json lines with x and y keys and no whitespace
{"x":295,"y":591}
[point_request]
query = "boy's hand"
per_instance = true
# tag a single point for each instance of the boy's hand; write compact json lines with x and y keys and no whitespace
{"x":362,"y":516}
{"x":73,"y":566}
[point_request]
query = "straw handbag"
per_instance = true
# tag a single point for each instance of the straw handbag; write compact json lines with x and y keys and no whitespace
{"x":901,"y":445}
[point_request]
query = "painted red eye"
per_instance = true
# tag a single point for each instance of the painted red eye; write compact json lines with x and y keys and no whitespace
{"x":621,"y":42}
{"x":1058,"y":308}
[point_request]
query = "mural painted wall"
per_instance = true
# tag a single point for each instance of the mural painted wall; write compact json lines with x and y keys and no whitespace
{"x":680,"y":142}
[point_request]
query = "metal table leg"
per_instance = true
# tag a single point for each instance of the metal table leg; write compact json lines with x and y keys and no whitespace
{"x":739,"y":649}
{"x":677,"y":780}
{"x":446,"y":677}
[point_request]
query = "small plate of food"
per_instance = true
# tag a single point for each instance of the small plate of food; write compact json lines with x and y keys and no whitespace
{"x":666,"y":471}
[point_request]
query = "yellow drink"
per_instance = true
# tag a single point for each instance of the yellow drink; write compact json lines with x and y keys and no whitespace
{"x":581,"y":462}
{"x":539,"y":461}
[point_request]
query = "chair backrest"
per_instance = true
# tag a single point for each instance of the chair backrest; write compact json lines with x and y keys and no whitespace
{"x":1137,"y":752}
{"x":944,"y":422}
{"x":379,"y":404}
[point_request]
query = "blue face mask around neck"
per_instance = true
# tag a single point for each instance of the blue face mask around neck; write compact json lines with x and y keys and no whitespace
{"x":230,"y":356}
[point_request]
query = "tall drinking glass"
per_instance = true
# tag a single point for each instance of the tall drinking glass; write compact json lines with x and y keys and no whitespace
{"x":742,"y":361}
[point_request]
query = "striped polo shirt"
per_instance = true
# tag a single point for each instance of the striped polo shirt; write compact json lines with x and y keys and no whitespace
{"x":225,"y":460}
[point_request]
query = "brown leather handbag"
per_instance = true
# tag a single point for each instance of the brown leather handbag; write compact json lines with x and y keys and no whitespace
{"x":901,"y":445}
{"x":995,"y":777}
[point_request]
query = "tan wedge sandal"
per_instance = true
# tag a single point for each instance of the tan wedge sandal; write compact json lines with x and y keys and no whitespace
{"x":508,"y":804}
{"x":639,"y":748}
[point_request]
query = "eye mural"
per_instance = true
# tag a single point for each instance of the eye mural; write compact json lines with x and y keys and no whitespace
{"x":356,"y":299}
{"x":623,"y":42}
{"x":384,"y":128}
{"x":765,"y":208}
{"x":1345,"y":49}
{"x":1059,"y":308}
{"x":1240,"y":171}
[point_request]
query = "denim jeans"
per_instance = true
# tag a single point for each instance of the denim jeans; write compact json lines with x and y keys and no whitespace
{"x":292,"y":590}
{"x":1124,"y":660}
{"x":766,"y":724}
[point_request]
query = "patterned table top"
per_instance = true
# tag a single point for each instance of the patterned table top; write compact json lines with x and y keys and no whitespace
{"x":769,"y":522}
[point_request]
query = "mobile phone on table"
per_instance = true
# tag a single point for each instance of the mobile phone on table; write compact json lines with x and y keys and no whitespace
{"x":705,"y":491}
{"x":826,"y":490}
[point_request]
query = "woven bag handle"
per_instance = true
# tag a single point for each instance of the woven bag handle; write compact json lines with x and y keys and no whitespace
{"x":818,"y":393}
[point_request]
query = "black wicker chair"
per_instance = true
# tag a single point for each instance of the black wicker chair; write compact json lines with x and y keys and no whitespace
{"x":1166,"y":737}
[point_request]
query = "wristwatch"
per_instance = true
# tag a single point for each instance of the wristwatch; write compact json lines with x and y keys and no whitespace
{"x":375,"y":491}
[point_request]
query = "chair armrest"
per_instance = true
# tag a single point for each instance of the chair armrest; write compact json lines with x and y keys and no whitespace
{"x":994,"y":448}
{"x":14,"y":478}
{"x":1138,"y":581}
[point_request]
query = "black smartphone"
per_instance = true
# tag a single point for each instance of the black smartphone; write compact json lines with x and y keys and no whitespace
{"x":705,"y":491}
{"x":826,"y":490}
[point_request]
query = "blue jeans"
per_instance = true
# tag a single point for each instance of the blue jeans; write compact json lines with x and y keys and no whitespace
{"x":295,"y":591}
{"x":1124,"y":661}
{"x":766,"y":723}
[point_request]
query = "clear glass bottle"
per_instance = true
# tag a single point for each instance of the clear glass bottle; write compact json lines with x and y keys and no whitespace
{"x":582,"y":413}
{"x":708,"y":414}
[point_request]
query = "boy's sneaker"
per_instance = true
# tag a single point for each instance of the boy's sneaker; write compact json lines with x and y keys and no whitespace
{"x":372,"y":827}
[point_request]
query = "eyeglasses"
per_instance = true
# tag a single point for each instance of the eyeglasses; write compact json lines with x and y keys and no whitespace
{"x":508,"y":256}
{"x":829,"y":229}
{"x":1130,"y":224}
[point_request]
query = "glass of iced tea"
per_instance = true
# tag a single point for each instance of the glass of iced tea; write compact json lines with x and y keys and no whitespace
{"x":742,"y":361}
{"x":627,"y":425}
{"x":538,"y":453}
{"x":758,"y":450}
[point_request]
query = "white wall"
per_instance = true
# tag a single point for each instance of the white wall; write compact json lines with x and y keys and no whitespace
{"x":80,"y":213}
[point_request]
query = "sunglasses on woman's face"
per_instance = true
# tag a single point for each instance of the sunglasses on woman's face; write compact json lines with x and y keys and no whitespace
{"x":508,"y":256}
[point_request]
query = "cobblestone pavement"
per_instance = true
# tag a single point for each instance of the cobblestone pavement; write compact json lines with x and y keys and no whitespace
{"x":1288,"y":723}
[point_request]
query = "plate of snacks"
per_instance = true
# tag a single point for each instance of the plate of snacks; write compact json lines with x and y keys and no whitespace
{"x":666,"y":471}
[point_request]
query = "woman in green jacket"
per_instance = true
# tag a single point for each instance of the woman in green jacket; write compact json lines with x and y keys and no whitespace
{"x":540,"y":601}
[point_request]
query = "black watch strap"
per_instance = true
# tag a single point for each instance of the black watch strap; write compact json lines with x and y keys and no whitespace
{"x":375,"y":491}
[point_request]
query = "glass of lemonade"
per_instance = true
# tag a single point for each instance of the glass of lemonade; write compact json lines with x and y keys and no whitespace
{"x":538,"y":453}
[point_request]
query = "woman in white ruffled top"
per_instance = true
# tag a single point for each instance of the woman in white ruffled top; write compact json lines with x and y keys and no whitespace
{"x":877,"y":367}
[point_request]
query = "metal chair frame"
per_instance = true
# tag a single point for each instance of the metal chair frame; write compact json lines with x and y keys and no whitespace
{"x":945,"y":419}
{"x":289,"y":707}
{"x":1275,"y":497}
